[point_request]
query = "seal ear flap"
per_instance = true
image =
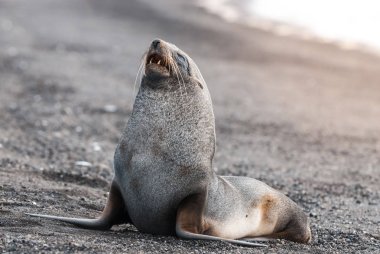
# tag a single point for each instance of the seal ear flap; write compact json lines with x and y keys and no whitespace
{"x":198,"y":82}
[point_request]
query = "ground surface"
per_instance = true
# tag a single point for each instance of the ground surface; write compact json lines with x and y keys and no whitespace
{"x":302,"y":116}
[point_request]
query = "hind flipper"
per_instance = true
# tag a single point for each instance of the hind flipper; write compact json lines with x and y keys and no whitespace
{"x":256,"y":239}
{"x":190,"y":223}
{"x":193,"y":236}
{"x":114,"y":213}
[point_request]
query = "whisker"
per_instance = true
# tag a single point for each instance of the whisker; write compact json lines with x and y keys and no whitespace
{"x":176,"y":73}
{"x":183,"y":81}
{"x":139,"y":72}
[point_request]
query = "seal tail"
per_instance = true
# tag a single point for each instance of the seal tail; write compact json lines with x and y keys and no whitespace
{"x":114,"y":213}
{"x":193,"y":236}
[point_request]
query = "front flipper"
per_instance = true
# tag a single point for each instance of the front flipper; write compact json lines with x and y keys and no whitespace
{"x":114,"y":213}
{"x":190,"y":222}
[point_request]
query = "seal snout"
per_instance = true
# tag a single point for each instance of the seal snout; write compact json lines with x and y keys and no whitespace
{"x":158,"y":46}
{"x":155,"y":43}
{"x":158,"y":59}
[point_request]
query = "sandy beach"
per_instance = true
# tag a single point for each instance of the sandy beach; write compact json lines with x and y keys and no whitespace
{"x":300,"y":115}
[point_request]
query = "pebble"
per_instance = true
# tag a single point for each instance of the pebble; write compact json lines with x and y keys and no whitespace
{"x":96,"y":147}
{"x":83,"y":164}
{"x":78,"y":129}
{"x":110,"y":108}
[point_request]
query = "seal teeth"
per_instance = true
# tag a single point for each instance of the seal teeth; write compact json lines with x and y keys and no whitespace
{"x":157,"y":59}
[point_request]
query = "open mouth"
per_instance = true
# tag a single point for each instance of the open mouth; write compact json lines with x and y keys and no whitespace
{"x":158,"y":63}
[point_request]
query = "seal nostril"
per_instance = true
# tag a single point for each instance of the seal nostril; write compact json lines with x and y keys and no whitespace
{"x":155,"y":43}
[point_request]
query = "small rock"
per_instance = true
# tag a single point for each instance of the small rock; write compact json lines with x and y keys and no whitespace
{"x":96,"y":147}
{"x":78,"y":129}
{"x":313,"y":215}
{"x":110,"y":108}
{"x":83,"y":164}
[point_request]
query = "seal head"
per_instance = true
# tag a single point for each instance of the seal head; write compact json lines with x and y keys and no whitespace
{"x":166,"y":66}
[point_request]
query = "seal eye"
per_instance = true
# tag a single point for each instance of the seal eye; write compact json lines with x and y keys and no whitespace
{"x":182,"y":61}
{"x":181,"y":57}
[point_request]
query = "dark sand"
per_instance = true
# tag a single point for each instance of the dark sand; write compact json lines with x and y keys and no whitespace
{"x":302,"y":116}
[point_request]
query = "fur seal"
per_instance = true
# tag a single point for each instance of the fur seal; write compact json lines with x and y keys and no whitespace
{"x":164,"y":182}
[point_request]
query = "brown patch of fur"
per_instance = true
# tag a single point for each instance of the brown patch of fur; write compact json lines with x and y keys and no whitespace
{"x":190,"y":214}
{"x":268,"y":202}
{"x":208,"y":229}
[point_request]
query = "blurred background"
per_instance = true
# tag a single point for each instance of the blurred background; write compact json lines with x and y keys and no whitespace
{"x":350,"y":23}
{"x":296,"y":94}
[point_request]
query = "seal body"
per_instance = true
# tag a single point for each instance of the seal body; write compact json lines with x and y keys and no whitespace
{"x":164,"y":155}
{"x":164,"y":182}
